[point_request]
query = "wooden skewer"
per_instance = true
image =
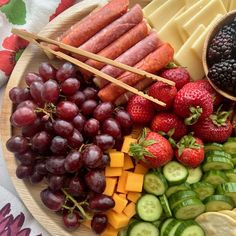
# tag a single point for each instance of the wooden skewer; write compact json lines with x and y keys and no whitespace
{"x":93,"y":56}
{"x":95,"y":71}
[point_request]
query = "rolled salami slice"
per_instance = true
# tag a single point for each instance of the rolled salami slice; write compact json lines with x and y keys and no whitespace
{"x":131,"y":57}
{"x":119,"y":46}
{"x":94,"y":22}
{"x":151,"y":63}
{"x":112,"y":32}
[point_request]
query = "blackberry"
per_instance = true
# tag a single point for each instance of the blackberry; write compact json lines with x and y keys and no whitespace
{"x":223,"y":75}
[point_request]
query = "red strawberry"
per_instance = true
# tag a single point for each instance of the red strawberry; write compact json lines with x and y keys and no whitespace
{"x":169,"y":123}
{"x":192,"y":103}
{"x":179,"y":75}
{"x":190,"y":151}
{"x":140,"y":109}
{"x":164,"y":93}
{"x":203,"y":83}
{"x":153,"y":149}
{"x":216,"y":128}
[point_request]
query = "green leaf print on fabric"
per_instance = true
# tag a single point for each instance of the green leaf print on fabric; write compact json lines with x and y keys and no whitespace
{"x":15,"y":12}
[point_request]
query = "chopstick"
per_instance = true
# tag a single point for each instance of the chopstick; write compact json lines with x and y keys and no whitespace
{"x":93,"y":56}
{"x":93,"y":70}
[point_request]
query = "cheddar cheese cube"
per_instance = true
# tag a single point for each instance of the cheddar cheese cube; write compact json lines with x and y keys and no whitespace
{"x":130,"y":210}
{"x":140,"y":169}
{"x":120,"y":203}
{"x":128,"y":163}
{"x":123,"y":195}
{"x":126,"y":144}
{"x":134,"y":182}
{"x":109,"y":231}
{"x":122,"y":182}
{"x":116,"y":159}
{"x":113,"y":171}
{"x":110,"y":186}
{"x":133,"y":197}
{"x":117,"y":220}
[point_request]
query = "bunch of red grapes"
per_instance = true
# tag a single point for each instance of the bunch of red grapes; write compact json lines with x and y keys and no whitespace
{"x":65,"y":133}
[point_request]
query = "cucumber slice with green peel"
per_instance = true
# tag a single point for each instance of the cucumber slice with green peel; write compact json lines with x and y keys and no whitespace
{"x":217,"y":153}
{"x":165,"y":205}
{"x":175,"y":173}
{"x":171,"y":228}
{"x":165,"y":224}
{"x":189,"y":228}
{"x":233,"y":158}
{"x":174,"y":189}
{"x":217,"y":163}
{"x":231,"y":174}
{"x":203,"y":190}
{"x":215,"y":177}
{"x":188,"y":209}
{"x":142,"y":229}
{"x":218,"y":203}
{"x":212,"y":146}
{"x":194,"y":175}
{"x":155,"y":183}
{"x":230,"y":145}
{"x":228,"y":189}
{"x":122,"y":232}
{"x":179,"y":196}
{"x":149,"y":208}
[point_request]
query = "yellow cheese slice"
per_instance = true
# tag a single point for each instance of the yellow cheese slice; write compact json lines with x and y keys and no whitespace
{"x":226,"y":4}
{"x":197,"y":46}
{"x":232,"y":5}
{"x":152,"y":6}
{"x":188,"y":15}
{"x":187,"y":58}
{"x":205,"y":15}
{"x":164,"y":13}
{"x":189,"y":3}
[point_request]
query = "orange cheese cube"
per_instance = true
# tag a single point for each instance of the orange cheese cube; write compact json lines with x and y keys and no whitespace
{"x":120,"y":203}
{"x":117,"y":220}
{"x":140,"y":169}
{"x":112,"y":150}
{"x":126,"y":144}
{"x":123,"y":195}
{"x":116,"y":159}
{"x":122,"y":182}
{"x":130,"y":210}
{"x":133,"y":197}
{"x":110,"y":186}
{"x":113,"y":171}
{"x":134,"y":182}
{"x":128,"y":163}
{"x":109,"y":231}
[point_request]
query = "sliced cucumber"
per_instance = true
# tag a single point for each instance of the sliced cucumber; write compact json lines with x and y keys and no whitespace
{"x":212,"y":146}
{"x":171,"y":228}
{"x":174,"y":189}
{"x":203,"y":189}
{"x":233,"y":158}
{"x":188,"y":209}
{"x":228,"y":189}
{"x":230,"y":145}
{"x":123,"y":232}
{"x":165,"y":224}
{"x":149,"y":208}
{"x":165,"y":205}
{"x":179,"y":196}
{"x":143,"y":229}
{"x":217,"y":163}
{"x":218,"y":203}
{"x":175,"y":173}
{"x":217,"y":153}
{"x":189,"y":228}
{"x":194,"y":175}
{"x":155,"y":183}
{"x":215,"y":177}
{"x":231,"y":174}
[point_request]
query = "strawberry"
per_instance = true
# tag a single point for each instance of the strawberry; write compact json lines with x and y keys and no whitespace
{"x":140,"y":109}
{"x":152,"y":149}
{"x":190,"y":151}
{"x":193,"y":103}
{"x":164,"y":93}
{"x":216,"y":128}
{"x":179,"y":75}
{"x":170,"y":124}
{"x":203,"y":83}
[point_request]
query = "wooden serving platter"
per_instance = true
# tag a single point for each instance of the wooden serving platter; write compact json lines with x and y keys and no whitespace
{"x":29,"y":62}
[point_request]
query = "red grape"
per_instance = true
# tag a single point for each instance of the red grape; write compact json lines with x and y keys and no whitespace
{"x":59,"y":145}
{"x":91,"y":127}
{"x":124,"y":119}
{"x":65,"y":71}
{"x":26,"y":158}
{"x":50,"y":91}
{"x":55,"y":165}
{"x":70,"y":86}
{"x":52,"y":200}
{"x":73,"y":161}
{"x":96,"y":181}
{"x":76,"y":187}
{"x":40,"y":167}
{"x":36,"y":177}
{"x":103,"y":111}
{"x":27,"y":103}
{"x":41,"y":142}
{"x":48,"y":127}
{"x":88,"y":107}
{"x":35,"y":91}
{"x":99,"y":223}
{"x":79,"y":122}
{"x":23,"y":172}
{"x":47,"y":71}
{"x":78,"y":98}
{"x":101,"y":203}
{"x":105,"y":161}
{"x":63,"y":128}
{"x":17,"y":144}
{"x":71,"y":220}
{"x":18,"y":95}
{"x":31,"y":130}
{"x":90,"y":93}
{"x":56,"y":182}
{"x":92,"y":156}
{"x":66,"y":110}
{"x":111,"y":126}
{"x":76,"y":140}
{"x":32,"y":77}
{"x":104,"y":141}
